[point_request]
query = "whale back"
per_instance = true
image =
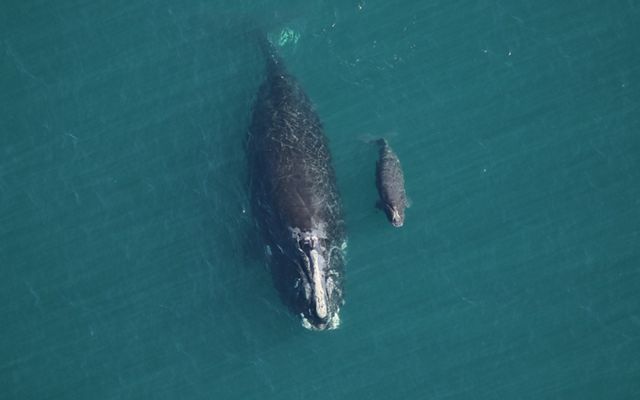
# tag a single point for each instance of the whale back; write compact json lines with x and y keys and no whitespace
{"x":291,"y":152}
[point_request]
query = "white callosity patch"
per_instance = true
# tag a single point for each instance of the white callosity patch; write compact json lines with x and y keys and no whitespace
{"x":318,"y":290}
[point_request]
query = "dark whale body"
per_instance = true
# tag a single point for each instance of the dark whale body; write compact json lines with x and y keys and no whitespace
{"x":295,"y":198}
{"x":390,"y":184}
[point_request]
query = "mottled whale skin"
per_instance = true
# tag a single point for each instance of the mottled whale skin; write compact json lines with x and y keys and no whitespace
{"x":295,"y":198}
{"x":390,"y":184}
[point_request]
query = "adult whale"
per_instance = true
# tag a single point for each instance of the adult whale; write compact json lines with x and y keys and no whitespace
{"x":295,"y":198}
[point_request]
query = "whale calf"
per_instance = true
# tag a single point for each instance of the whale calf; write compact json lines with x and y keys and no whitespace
{"x":390,"y":184}
{"x":295,"y":197}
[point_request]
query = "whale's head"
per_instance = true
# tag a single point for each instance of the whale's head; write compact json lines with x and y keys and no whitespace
{"x":395,"y":214}
{"x":319,"y":295}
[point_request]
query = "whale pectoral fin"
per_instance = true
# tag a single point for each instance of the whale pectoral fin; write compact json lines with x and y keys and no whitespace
{"x":409,"y":202}
{"x":380,"y":205}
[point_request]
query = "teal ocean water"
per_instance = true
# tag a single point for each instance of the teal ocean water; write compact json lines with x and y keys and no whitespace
{"x":129,"y":263}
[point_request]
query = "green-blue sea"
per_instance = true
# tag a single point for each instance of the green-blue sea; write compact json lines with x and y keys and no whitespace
{"x":130,"y":266}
